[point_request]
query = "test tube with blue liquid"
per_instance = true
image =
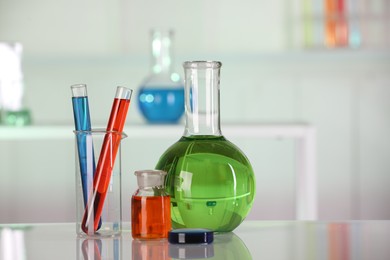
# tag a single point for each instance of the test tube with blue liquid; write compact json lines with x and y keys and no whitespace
{"x":82,"y":122}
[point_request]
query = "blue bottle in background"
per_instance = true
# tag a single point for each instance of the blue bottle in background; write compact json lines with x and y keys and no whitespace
{"x":161,"y":94}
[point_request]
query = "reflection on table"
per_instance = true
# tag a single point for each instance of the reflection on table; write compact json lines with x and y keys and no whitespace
{"x":225,"y":246}
{"x":348,"y":240}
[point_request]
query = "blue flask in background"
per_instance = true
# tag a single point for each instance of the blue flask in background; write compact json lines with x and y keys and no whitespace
{"x":161,"y":94}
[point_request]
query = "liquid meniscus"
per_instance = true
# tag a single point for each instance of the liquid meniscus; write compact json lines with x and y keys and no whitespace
{"x":81,"y":113}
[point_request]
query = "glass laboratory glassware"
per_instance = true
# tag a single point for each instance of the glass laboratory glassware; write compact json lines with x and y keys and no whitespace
{"x":82,"y":120}
{"x":95,"y":143}
{"x":150,"y":206}
{"x":210,"y":180}
{"x":12,"y":86}
{"x":161,"y":94}
{"x":105,"y":165}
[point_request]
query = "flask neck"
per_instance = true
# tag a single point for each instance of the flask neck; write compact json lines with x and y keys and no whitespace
{"x":202,"y":98}
{"x":161,"y":48}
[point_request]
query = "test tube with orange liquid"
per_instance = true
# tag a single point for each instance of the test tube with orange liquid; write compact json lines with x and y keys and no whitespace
{"x":101,"y":180}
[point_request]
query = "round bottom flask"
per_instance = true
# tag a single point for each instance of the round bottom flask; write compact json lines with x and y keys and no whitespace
{"x":161,"y":94}
{"x":210,"y":180}
{"x":161,"y":104}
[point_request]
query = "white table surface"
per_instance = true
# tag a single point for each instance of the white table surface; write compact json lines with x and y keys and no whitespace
{"x":333,"y":240}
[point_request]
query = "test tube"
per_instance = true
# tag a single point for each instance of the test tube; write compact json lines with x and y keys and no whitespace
{"x":106,"y":160}
{"x":82,"y":122}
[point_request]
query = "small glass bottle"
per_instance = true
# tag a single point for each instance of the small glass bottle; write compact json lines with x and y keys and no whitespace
{"x":210,"y":180}
{"x":150,"y":206}
{"x":161,"y":94}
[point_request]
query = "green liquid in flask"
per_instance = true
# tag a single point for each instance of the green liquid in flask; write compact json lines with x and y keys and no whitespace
{"x":210,"y":181}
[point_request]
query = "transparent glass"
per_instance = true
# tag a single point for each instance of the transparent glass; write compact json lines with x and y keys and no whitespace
{"x":210,"y":180}
{"x":107,"y":157}
{"x":91,"y":146}
{"x":150,"y":206}
{"x":161,"y":94}
{"x":12,"y":110}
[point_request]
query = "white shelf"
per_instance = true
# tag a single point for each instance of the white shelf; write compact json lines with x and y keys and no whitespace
{"x":305,"y":136}
{"x":66,"y":132}
{"x":285,"y":130}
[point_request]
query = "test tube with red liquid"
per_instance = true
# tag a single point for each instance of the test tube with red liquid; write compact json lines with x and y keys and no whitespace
{"x":105,"y":165}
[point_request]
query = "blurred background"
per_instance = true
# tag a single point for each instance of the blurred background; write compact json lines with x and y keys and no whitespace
{"x":323,"y":63}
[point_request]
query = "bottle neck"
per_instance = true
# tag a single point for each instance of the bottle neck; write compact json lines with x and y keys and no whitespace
{"x":202,"y":98}
{"x":151,"y":191}
{"x":162,"y":41}
{"x":150,"y":183}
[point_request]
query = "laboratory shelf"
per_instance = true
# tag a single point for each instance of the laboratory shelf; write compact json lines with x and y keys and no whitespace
{"x":66,"y":132}
{"x":303,"y":134}
{"x":274,"y":130}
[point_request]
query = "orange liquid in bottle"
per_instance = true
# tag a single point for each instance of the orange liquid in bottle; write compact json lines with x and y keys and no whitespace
{"x":150,"y":217}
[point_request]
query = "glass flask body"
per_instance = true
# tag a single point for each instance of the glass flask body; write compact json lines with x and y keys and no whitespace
{"x":210,"y":180}
{"x":161,"y":94}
